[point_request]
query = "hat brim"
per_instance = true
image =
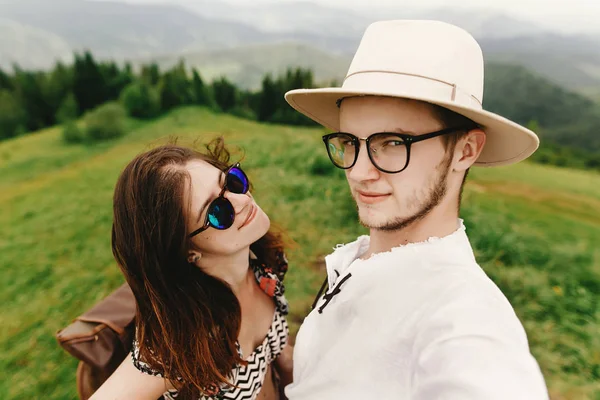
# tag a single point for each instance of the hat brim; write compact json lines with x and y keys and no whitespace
{"x":506,"y":141}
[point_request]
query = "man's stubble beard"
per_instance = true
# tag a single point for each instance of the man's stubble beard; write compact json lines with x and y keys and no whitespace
{"x":435,"y":195}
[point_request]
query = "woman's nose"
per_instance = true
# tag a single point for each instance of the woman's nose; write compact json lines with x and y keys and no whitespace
{"x":239,"y":201}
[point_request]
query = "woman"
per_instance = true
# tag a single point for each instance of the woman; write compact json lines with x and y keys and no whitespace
{"x":207,"y":276}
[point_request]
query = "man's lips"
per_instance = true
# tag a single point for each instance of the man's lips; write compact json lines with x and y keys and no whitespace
{"x":371,"y":197}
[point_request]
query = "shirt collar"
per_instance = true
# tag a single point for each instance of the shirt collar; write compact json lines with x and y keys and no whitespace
{"x":344,"y":255}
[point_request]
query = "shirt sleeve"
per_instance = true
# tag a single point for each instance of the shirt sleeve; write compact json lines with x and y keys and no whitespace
{"x":472,"y":346}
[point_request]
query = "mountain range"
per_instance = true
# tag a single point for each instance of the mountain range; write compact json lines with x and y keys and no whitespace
{"x":244,"y":42}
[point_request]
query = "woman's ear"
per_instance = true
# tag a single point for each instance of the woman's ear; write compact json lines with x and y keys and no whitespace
{"x":194,"y":257}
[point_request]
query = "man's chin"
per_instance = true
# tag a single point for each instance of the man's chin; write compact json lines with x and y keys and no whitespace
{"x":385,"y":223}
{"x":376,"y":222}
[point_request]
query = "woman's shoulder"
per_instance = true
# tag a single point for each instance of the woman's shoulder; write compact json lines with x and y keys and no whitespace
{"x":141,"y":364}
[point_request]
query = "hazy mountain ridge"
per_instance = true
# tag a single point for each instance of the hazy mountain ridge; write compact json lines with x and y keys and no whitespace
{"x":30,"y":46}
{"x":305,"y":16}
{"x":118,"y":30}
{"x":247,"y":66}
{"x":297,"y":17}
{"x":34,"y":33}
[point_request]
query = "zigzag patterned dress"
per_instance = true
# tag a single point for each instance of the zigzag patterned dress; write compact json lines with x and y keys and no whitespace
{"x":248,"y":379}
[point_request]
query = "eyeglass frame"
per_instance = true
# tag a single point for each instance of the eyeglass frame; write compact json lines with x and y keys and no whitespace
{"x":408,"y":141}
{"x":207,"y":224}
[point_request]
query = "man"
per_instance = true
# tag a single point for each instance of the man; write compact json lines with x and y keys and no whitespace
{"x":408,"y":313}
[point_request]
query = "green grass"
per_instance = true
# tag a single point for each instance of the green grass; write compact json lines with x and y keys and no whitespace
{"x":535,"y":230}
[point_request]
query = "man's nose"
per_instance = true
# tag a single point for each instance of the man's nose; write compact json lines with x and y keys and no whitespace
{"x":363,"y":169}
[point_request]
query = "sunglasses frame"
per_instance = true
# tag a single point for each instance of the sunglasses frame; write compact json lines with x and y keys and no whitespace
{"x":407,"y":139}
{"x":207,"y":224}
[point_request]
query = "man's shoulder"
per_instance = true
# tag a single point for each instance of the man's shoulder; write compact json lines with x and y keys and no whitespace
{"x":439,"y":272}
{"x":468,"y":301}
{"x":455,"y":287}
{"x":465,"y":282}
{"x":425,"y":286}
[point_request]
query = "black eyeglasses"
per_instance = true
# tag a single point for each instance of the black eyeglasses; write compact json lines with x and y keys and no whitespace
{"x":220,"y":213}
{"x":389,"y":152}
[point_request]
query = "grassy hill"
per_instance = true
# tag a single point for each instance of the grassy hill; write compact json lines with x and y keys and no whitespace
{"x":535,"y":230}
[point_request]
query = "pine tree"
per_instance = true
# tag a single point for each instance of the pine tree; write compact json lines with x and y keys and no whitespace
{"x":225,"y":93}
{"x":30,"y":93}
{"x":68,"y":110}
{"x":200,"y":91}
{"x":5,"y":81}
{"x":141,"y":100}
{"x":89,"y":86}
{"x":58,"y":85}
{"x":269,"y":99}
{"x":11,"y":115}
{"x":175,"y":88}
{"x":151,"y":74}
{"x":115,"y":79}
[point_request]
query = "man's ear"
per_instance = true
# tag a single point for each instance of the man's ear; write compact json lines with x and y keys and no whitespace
{"x":468,"y":149}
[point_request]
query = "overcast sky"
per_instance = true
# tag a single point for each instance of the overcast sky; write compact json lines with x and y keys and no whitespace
{"x":564,"y":15}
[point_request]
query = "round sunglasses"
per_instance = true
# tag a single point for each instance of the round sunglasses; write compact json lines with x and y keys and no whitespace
{"x":220,"y":213}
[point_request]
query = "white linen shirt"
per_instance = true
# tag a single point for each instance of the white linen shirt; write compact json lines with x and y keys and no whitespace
{"x":420,"y":322}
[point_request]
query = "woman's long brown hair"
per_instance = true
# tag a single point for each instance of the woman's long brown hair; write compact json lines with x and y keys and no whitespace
{"x":187,"y":321}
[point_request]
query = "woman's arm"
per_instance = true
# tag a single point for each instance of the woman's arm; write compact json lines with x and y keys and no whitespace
{"x":285,"y":366}
{"x":127,"y":382}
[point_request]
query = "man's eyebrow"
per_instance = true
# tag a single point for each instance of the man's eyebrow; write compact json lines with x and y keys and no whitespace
{"x":400,"y":130}
{"x":209,"y":199}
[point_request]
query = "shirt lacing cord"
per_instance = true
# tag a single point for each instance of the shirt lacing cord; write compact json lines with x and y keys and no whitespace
{"x":328,"y":296}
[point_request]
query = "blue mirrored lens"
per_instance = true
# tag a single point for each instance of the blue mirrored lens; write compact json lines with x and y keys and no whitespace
{"x":237,"y":181}
{"x":221,"y":214}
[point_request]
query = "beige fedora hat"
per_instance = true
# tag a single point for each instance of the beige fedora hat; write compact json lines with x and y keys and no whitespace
{"x":430,"y":61}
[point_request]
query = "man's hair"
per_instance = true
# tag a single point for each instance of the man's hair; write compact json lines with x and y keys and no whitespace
{"x":451,"y":119}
